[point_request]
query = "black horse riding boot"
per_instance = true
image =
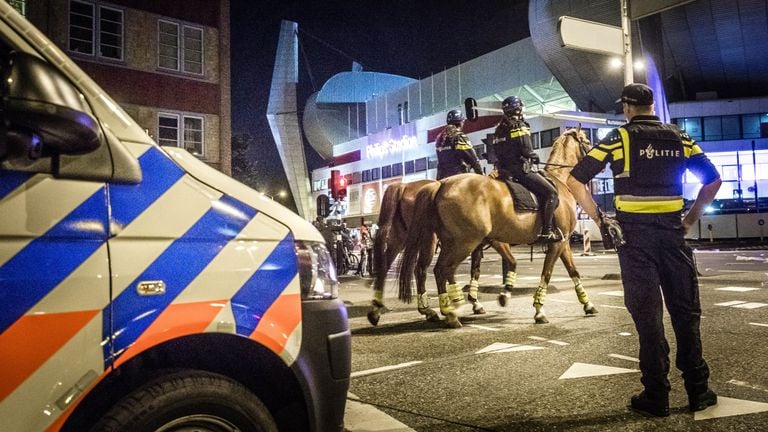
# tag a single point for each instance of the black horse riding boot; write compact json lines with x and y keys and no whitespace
{"x":548,"y":233}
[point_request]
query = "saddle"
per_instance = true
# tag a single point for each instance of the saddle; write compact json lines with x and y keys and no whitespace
{"x":524,"y":199}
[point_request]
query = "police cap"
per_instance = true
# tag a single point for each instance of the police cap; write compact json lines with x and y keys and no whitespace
{"x":636,"y":94}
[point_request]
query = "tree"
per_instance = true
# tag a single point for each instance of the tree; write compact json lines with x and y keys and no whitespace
{"x":244,"y":167}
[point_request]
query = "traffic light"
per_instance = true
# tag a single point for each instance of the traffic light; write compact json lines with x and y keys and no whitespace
{"x":338,"y":185}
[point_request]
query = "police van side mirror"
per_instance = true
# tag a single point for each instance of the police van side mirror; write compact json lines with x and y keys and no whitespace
{"x":42,"y":112}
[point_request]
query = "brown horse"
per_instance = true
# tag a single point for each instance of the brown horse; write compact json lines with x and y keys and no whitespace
{"x":395,"y":219}
{"x":465,"y":210}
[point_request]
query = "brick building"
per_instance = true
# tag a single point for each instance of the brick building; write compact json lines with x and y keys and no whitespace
{"x":166,"y":63}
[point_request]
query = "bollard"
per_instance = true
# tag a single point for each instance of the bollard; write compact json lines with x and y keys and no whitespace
{"x":587,"y":243}
{"x":711,"y":236}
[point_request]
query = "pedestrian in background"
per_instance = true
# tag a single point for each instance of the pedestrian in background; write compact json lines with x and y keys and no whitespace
{"x":648,"y":159}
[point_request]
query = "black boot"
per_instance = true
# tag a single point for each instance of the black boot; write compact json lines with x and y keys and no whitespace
{"x":657,"y":406}
{"x":549,"y":235}
{"x":700,"y":401}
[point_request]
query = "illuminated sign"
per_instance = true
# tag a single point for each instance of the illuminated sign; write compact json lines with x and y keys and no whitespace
{"x":383,"y":149}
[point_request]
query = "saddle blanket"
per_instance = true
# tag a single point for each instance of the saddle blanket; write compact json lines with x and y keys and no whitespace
{"x":524,"y":199}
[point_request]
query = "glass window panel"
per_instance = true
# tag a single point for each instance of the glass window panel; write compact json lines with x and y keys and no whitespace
{"x":409,"y":167}
{"x":386,"y":171}
{"x":375,"y":173}
{"x":168,"y":56}
{"x":750,"y":124}
{"x":168,"y":130}
{"x":420,"y":164}
{"x":193,"y":50}
{"x":713,"y":129}
{"x":693,"y":127}
{"x":81,"y":27}
{"x":193,"y":135}
{"x":731,"y":127}
{"x":397,"y":169}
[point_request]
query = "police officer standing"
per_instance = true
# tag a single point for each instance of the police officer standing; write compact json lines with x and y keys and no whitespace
{"x":514,"y":158}
{"x":648,"y":159}
{"x":454,"y":150}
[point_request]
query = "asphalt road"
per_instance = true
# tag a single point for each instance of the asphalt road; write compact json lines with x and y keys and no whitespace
{"x":502,"y":372}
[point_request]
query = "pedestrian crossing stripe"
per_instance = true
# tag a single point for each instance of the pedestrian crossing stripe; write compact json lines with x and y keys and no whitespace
{"x":727,"y":407}
{"x":613,"y":293}
{"x":500,"y":347}
{"x":736,"y":289}
{"x":584,"y":370}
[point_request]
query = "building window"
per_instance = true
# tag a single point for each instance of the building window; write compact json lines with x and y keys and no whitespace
{"x":180,"y":47}
{"x":397,"y":169}
{"x":96,"y":26}
{"x":19,"y":5}
{"x":386,"y":171}
{"x":409,"y":167}
{"x":420,"y":164}
{"x":184,"y":131}
{"x":366,"y":176}
{"x":432,"y":163}
{"x":731,"y":127}
{"x":375,"y":173}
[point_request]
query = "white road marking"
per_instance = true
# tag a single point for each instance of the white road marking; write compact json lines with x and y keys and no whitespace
{"x":583,"y":370}
{"x":750,"y":305}
{"x":613,"y":293}
{"x":557,"y":342}
{"x":731,"y":303}
{"x":482,"y":327}
{"x":538,"y":338}
{"x":736,"y":289}
{"x":732,"y":271}
{"x":727,"y":407}
{"x":384,"y":369}
{"x":759,"y":324}
{"x":500,"y":347}
{"x":623,"y":357}
{"x":748,"y":385}
{"x":624,"y":334}
{"x":612,"y":306}
{"x":361,"y":417}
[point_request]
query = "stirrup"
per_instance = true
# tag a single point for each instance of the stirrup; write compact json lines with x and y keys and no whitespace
{"x":550,"y":237}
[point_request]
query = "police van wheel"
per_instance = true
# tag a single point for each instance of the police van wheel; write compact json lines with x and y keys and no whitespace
{"x":189,"y":401}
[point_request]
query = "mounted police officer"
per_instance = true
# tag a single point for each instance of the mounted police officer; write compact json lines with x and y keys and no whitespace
{"x":454,"y":150}
{"x":514,"y":159}
{"x":648,"y":159}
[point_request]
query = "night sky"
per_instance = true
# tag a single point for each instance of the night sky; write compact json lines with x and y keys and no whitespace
{"x":403,"y":37}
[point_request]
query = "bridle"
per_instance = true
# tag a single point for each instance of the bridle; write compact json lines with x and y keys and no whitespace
{"x":583,"y":148}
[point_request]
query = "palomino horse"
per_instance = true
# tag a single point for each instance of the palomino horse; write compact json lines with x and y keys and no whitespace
{"x":395,"y":219}
{"x":465,"y":210}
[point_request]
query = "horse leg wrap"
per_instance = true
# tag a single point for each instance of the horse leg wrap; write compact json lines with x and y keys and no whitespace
{"x":581,"y":294}
{"x":510,"y":279}
{"x":474,"y":287}
{"x":457,"y":296}
{"x":378,"y":298}
{"x":446,"y":304}
{"x":540,"y":295}
{"x":423,"y":301}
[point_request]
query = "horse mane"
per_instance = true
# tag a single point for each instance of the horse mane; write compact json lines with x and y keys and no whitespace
{"x":559,"y":153}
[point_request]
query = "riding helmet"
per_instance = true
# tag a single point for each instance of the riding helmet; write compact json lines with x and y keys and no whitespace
{"x":455,"y":116}
{"x":512,"y":105}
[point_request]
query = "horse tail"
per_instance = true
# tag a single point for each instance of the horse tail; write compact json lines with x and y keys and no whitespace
{"x":390,"y":208}
{"x":421,"y":232}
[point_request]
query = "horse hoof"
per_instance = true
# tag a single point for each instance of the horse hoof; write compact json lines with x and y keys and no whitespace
{"x":590,"y":310}
{"x":541,"y":319}
{"x":430,"y":315}
{"x":502,"y":299}
{"x":453,"y":323}
{"x":373,"y":318}
{"x":478,"y":310}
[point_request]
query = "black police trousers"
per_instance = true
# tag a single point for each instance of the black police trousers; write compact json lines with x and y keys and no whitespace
{"x":544,"y":191}
{"x":656,"y":260}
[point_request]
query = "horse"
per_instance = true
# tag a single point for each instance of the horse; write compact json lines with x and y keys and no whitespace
{"x":465,"y":210}
{"x":395,"y":219}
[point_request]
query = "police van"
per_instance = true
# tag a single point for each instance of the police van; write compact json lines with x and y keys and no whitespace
{"x":140,"y":289}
